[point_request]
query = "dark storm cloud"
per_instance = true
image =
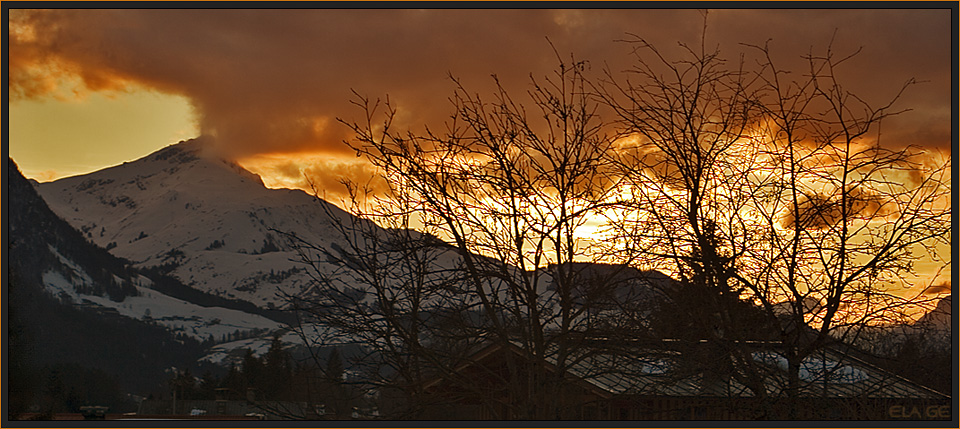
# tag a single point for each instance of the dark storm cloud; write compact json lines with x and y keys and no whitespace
{"x":944,"y":287}
{"x":275,"y":80}
{"x":822,"y":211}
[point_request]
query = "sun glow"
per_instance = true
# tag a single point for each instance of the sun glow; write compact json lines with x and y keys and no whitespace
{"x":320,"y":174}
{"x":748,"y":206}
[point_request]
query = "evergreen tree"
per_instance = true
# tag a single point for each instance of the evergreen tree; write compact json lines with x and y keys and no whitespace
{"x":207,"y":388}
{"x":277,"y":372}
{"x":335,"y":366}
{"x":184,"y":385}
{"x":252,"y":371}
{"x":339,"y":395}
{"x":235,"y":383}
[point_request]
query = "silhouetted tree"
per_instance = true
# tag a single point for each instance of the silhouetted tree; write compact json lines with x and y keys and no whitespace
{"x":184,"y":385}
{"x":252,"y":371}
{"x":770,"y":201}
{"x":500,"y":200}
{"x":777,"y":189}
{"x":334,"y":370}
{"x":234,"y":382}
{"x":207,"y":386}
{"x":277,"y":371}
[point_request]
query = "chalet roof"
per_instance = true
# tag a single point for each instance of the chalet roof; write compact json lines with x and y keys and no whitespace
{"x":651,"y":372}
{"x":828,"y":374}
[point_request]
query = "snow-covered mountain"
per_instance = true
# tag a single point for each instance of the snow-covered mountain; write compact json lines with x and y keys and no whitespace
{"x":70,"y":302}
{"x":202,"y":219}
{"x":48,"y":252}
{"x":214,"y":226}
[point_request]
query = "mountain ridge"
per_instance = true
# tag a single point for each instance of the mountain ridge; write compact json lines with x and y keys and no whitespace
{"x":198,"y":217}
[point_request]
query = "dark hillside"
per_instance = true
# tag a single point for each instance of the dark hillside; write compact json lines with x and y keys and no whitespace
{"x":54,"y":342}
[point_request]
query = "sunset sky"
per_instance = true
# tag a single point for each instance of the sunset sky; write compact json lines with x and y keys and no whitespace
{"x":93,"y":88}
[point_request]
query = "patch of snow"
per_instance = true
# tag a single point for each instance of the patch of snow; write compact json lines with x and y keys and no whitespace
{"x":174,"y":314}
{"x":79,"y":276}
{"x":814,"y":369}
{"x":231,"y":353}
{"x":654,"y":367}
{"x":59,"y":286}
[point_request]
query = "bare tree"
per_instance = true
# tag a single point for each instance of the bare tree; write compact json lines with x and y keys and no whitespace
{"x":767,"y":196}
{"x":773,"y":189}
{"x":389,"y":290}
{"x":848,"y":213}
{"x":511,"y":191}
{"x":687,"y":175}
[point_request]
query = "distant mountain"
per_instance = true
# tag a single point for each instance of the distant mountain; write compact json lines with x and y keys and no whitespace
{"x":45,"y":250}
{"x":940,"y":318}
{"x":202,"y":219}
{"x":215,"y":227}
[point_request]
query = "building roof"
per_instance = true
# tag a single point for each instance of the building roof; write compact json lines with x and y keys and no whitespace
{"x":830,"y":373}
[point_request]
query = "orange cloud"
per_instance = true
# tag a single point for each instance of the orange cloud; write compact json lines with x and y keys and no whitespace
{"x":274,"y":81}
{"x":318,"y":173}
{"x":47,"y":175}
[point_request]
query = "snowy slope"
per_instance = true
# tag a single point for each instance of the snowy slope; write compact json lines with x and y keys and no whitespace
{"x":205,"y":219}
{"x":231,"y":353}
{"x":176,"y":315}
{"x":48,"y":255}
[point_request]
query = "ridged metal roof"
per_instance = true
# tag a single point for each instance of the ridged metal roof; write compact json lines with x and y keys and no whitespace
{"x":828,"y":374}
